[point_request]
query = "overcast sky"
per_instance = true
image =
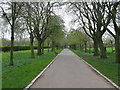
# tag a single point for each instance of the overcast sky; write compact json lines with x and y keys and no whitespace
{"x":66,"y":16}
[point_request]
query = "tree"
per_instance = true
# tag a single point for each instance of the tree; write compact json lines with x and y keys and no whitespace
{"x":86,"y":23}
{"x":94,"y":19}
{"x":78,"y":38}
{"x":47,"y":43}
{"x":42,"y":12}
{"x":15,"y":8}
{"x":27,"y":15}
{"x":57,"y":31}
{"x":115,"y":17}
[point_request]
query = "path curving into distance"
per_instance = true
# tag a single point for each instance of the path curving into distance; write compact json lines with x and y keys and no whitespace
{"x":68,"y":71}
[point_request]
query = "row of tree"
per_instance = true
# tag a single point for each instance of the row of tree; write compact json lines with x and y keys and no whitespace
{"x":96,"y":18}
{"x":77,"y":39}
{"x":41,"y":23}
{"x":38,"y":20}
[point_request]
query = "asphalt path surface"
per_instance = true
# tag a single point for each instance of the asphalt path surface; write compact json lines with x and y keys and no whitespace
{"x":68,"y":71}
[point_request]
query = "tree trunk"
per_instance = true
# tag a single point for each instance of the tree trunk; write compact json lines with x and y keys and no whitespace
{"x":74,"y":47}
{"x":111,"y":42}
{"x":53,"y":49}
{"x":48,"y":47}
{"x":112,"y":49}
{"x":57,"y":47}
{"x":32,"y":46}
{"x":85,"y":43}
{"x":12,"y":32}
{"x":12,"y":45}
{"x":96,"y":51}
{"x":80,"y":47}
{"x":89,"y":48}
{"x":39,"y":48}
{"x":48,"y":50}
{"x":43,"y":48}
{"x":53,"y":46}
{"x":117,"y":48}
{"x":102,"y":49}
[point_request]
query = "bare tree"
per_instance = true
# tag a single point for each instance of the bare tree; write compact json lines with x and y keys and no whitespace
{"x":27,"y":15}
{"x":114,"y":14}
{"x":94,"y":19}
{"x":15,"y":10}
{"x":42,"y":13}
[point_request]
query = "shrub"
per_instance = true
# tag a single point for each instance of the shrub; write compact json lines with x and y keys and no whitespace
{"x":17,"y":48}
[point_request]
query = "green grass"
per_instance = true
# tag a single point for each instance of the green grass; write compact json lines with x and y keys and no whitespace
{"x":109,"y":50}
{"x":25,"y":68}
{"x":106,"y":66}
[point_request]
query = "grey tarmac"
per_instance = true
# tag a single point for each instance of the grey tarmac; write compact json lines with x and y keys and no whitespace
{"x":68,"y":71}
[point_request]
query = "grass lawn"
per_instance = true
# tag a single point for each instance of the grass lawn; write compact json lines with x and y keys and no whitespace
{"x":106,"y":66}
{"x":25,"y":68}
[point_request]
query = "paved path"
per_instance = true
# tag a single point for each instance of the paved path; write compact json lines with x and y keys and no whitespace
{"x":68,"y":71}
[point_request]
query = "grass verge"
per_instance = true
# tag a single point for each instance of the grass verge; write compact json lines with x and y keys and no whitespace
{"x":108,"y":67}
{"x":25,"y":69}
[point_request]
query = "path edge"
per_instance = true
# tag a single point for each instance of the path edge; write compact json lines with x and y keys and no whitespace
{"x":39,"y":75}
{"x":98,"y":72}
{"x":102,"y":75}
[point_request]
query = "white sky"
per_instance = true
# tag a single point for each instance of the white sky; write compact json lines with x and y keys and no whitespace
{"x":66,"y":16}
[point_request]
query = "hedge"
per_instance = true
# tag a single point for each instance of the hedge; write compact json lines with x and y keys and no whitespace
{"x":17,"y":48}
